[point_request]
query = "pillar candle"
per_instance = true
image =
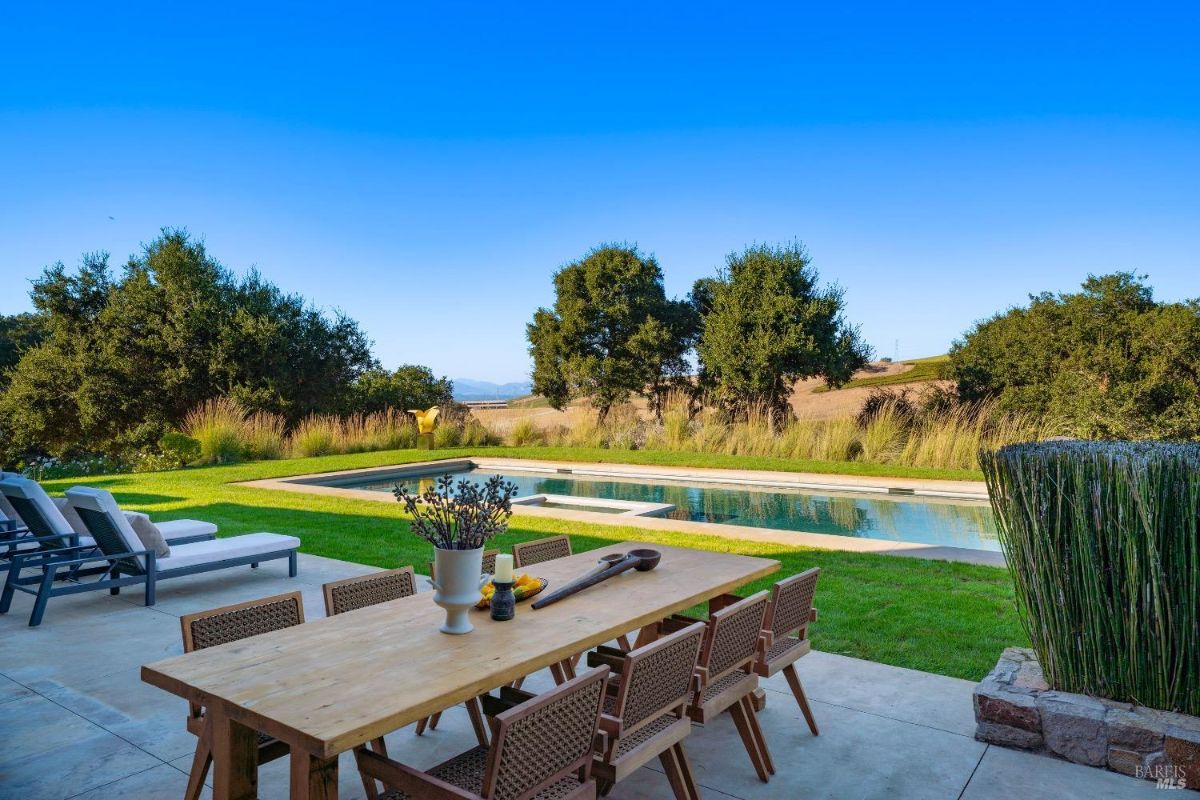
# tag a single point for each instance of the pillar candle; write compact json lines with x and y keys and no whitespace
{"x":504,"y":569}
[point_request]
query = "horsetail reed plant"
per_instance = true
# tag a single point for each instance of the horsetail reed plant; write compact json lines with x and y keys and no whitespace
{"x":1103,"y":543}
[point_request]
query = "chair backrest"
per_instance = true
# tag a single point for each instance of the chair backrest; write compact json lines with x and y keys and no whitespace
{"x":241,"y":620}
{"x":489,"y":563}
{"x":540,"y":550}
{"x":656,"y":678}
{"x":732,"y":636}
{"x":367,"y":590}
{"x":540,"y":742}
{"x":35,"y":508}
{"x":108,"y":525}
{"x":791,"y":603}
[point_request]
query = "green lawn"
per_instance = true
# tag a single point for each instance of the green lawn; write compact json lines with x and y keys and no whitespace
{"x":952,"y":619}
{"x":923,"y":369}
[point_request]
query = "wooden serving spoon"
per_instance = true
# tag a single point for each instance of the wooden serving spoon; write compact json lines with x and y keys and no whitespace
{"x":641,"y":560}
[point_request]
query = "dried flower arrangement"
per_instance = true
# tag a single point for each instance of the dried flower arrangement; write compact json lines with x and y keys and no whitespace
{"x":462,"y":515}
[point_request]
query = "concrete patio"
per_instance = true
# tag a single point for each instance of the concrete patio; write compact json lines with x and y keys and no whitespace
{"x":76,"y":721}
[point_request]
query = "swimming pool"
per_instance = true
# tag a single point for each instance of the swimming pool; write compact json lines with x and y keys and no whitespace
{"x":933,"y":521}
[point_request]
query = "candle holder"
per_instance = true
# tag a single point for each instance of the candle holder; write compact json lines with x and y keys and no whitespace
{"x":504,"y":602}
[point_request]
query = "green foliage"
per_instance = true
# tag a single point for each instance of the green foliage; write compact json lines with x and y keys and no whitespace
{"x":767,"y":324}
{"x":123,"y":360}
{"x":1109,"y":361}
{"x":179,"y":448}
{"x":18,"y":333}
{"x":409,"y":386}
{"x":612,"y":332}
{"x":1103,"y":541}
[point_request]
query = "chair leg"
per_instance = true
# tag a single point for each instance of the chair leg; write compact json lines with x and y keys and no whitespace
{"x":292,"y":566}
{"x":793,"y":680}
{"x":476,"y":714}
{"x":201,"y":762}
{"x":379,"y":746}
{"x":43,"y":597}
{"x":685,"y":772}
{"x":756,"y":729}
{"x":624,"y":643}
{"x":556,"y":671}
{"x":738,"y":712}
{"x":604,"y":786}
{"x":434,"y":720}
{"x":670,"y":764}
{"x":422,"y":724}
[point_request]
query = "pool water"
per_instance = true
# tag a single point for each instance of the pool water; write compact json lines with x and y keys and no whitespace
{"x":932,"y":521}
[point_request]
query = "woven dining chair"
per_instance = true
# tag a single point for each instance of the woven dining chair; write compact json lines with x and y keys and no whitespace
{"x":541,"y":748}
{"x":528,"y":553}
{"x":725,"y":677}
{"x":230,"y":624}
{"x":784,"y":638}
{"x":352,"y":594}
{"x":645,"y":710}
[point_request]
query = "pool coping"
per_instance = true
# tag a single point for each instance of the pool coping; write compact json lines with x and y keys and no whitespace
{"x":896,"y":488}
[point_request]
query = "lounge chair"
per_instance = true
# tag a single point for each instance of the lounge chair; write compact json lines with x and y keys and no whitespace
{"x":119,"y":558}
{"x":10,"y":520}
{"x":46,"y":526}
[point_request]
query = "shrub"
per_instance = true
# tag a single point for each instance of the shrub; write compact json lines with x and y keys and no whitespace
{"x":178,"y":448}
{"x":1103,"y":542}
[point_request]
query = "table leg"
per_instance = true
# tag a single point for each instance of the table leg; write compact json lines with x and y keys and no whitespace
{"x":646,"y":635}
{"x":235,"y":757}
{"x":313,"y":777}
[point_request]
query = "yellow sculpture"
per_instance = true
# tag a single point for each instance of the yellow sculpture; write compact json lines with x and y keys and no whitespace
{"x":424,"y":418}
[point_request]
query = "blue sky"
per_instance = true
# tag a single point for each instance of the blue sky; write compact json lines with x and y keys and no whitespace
{"x":940,"y":161}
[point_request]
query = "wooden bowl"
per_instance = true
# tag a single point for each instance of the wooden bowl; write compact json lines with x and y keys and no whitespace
{"x":649,"y":559}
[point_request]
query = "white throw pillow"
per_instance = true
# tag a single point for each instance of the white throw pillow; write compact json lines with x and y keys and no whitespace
{"x":148,"y":532}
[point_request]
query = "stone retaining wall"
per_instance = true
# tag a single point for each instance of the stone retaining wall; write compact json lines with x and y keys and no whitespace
{"x":1014,"y":707}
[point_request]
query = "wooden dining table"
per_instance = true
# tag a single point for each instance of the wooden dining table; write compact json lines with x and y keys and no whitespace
{"x":332,"y":684}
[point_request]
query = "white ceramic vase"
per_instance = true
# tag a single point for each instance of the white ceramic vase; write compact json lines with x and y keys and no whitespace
{"x":456,"y":588}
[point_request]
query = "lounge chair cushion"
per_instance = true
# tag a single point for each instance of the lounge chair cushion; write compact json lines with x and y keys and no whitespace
{"x":250,"y":544}
{"x":149,"y":533}
{"x":102,"y":501}
{"x":8,"y":512}
{"x":156,"y":536}
{"x":17,"y":486}
{"x":183,"y":528}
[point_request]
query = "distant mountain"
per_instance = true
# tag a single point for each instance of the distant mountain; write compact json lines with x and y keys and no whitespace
{"x":468,"y":389}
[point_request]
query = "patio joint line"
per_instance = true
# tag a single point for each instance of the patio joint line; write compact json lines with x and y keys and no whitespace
{"x":118,"y":780}
{"x":893,"y":719}
{"x":971,"y":777}
{"x":101,"y":727}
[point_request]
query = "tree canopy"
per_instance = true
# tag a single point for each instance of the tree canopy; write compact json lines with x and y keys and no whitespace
{"x":121,"y":359}
{"x":612,"y":332}
{"x":766,"y":323}
{"x":408,"y":386}
{"x":1108,"y":361}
